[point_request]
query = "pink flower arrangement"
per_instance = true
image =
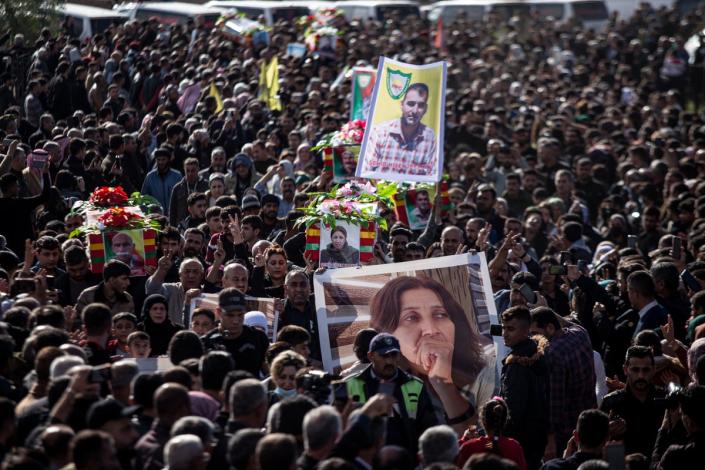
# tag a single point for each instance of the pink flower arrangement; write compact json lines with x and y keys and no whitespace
{"x":355,"y":190}
{"x":353,"y":131}
{"x":338,"y":208}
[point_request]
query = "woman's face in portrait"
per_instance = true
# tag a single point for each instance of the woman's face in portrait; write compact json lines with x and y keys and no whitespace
{"x":426,"y":332}
{"x":338,"y":240}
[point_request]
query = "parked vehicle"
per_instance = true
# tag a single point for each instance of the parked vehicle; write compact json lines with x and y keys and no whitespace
{"x":84,"y":22}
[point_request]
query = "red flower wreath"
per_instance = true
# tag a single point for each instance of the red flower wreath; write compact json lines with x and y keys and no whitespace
{"x":107,"y":196}
{"x":117,"y":217}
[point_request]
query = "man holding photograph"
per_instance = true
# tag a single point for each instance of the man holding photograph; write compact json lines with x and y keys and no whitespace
{"x":404,"y":145}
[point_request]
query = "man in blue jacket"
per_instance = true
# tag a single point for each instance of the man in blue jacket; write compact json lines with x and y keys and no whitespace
{"x":160,"y":181}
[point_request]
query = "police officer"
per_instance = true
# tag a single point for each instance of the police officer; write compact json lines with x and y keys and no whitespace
{"x":247,"y":345}
{"x":413,"y":412}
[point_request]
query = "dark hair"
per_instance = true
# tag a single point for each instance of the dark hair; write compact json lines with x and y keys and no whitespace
{"x":125,"y":316}
{"x":213,"y":211}
{"x":47,"y":243}
{"x":274,"y":350}
{"x":385,"y":309}
{"x":493,"y":416}
{"x":519,"y":313}
{"x":593,"y":428}
{"x":87,"y":447}
{"x":650,"y":339}
{"x":293,"y":335}
{"x":289,"y":416}
{"x":525,"y":277}
{"x":74,"y":255}
{"x":143,"y":388}
{"x":642,"y":283}
{"x":242,"y":446}
{"x":52,"y":315}
{"x":544,"y":316}
{"x":214,"y":367}
{"x":667,"y":273}
{"x":178,"y":375}
{"x":193,"y":198}
{"x":639,"y":352}
{"x":185,"y":344}
{"x":170,"y":233}
{"x":572,"y":231}
{"x":204,"y":311}
{"x":419,"y":87}
{"x":97,"y":319}
{"x":275,"y":451}
{"x":362,"y":344}
{"x":115,"y":268}
{"x":253,"y":221}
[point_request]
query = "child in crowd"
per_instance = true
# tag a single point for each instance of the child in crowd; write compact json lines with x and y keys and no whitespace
{"x":124,"y":324}
{"x":202,"y":321}
{"x":138,"y":345}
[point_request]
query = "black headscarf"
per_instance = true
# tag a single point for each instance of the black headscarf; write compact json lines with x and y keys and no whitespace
{"x":160,"y":334}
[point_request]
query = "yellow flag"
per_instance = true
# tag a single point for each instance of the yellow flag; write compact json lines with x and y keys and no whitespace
{"x":218,"y":99}
{"x":269,"y":84}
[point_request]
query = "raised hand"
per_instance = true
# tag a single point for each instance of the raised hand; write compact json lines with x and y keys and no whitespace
{"x":235,"y":230}
{"x":166,"y":262}
{"x":483,"y":236}
{"x":310,"y":264}
{"x":219,"y":254}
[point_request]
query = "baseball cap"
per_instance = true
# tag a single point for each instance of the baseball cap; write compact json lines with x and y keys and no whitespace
{"x":231,"y":299}
{"x":384,"y":343}
{"x":249,"y":202}
{"x":108,"y":409}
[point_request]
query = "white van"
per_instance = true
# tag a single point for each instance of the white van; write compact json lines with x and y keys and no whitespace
{"x":592,"y":14}
{"x":363,"y":10}
{"x":626,"y":8}
{"x":269,"y":10}
{"x":85,"y":21}
{"x":170,"y":12}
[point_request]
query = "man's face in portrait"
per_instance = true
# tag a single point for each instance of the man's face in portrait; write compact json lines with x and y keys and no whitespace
{"x":123,"y":246}
{"x":423,"y":202}
{"x":413,"y":107}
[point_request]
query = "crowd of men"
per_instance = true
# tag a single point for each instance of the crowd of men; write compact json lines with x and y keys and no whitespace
{"x":574,"y":161}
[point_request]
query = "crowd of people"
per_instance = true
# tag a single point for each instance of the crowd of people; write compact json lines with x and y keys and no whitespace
{"x":574,"y":160}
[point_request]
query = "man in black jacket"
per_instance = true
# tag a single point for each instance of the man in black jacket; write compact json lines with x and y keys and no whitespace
{"x":524,"y":385}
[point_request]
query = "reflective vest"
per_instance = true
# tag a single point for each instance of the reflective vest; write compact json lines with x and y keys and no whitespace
{"x":411,"y":392}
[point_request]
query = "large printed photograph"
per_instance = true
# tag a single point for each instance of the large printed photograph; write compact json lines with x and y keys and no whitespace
{"x":440,"y":309}
{"x":403,"y":138}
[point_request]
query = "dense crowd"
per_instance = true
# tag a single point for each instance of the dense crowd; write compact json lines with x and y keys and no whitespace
{"x":574,"y":162}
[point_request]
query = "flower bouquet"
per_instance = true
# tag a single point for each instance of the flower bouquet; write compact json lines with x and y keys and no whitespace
{"x":107,"y":196}
{"x":353,"y":206}
{"x":349,"y":134}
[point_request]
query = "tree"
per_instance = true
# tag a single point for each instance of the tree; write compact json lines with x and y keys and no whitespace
{"x":27,"y":17}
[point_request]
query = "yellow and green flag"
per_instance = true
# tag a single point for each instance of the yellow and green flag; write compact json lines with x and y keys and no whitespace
{"x":269,"y":84}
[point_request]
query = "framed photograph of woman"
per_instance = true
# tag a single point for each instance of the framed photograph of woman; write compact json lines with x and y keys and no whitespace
{"x":439,"y":309}
{"x":340,"y":246}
